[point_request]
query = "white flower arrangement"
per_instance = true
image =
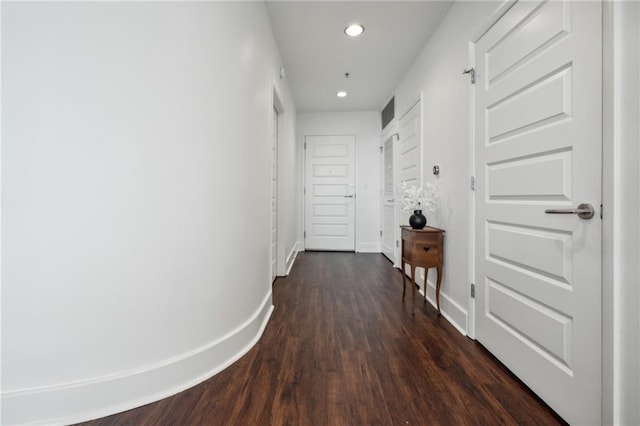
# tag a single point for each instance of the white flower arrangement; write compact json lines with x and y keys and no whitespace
{"x":425,"y":198}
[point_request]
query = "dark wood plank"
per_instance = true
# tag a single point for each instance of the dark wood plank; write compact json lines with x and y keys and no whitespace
{"x":343,"y":349}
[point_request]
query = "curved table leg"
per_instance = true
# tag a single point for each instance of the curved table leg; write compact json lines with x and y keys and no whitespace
{"x":413,"y":285}
{"x":424,"y":288}
{"x":404,"y":284}
{"x":439,"y":270}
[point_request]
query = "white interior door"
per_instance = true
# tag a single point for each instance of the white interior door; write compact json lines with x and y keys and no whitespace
{"x":409,"y":159}
{"x":409,"y":163}
{"x":538,"y":147}
{"x":389,"y":227}
{"x":274,"y":198}
{"x":330,"y":193}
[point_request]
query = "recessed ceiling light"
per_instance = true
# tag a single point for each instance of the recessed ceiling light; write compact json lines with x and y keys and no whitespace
{"x":354,"y":30}
{"x":341,"y":94}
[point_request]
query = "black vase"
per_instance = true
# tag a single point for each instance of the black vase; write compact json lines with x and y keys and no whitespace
{"x":417,"y":220}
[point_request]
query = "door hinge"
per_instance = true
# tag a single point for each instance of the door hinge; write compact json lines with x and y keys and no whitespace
{"x":471,"y":71}
{"x":601,"y":211}
{"x":473,"y":183}
{"x":473,"y":291}
{"x":304,"y":189}
{"x":397,"y":244}
{"x":304,"y":234}
{"x":305,"y":145}
{"x":381,"y":149}
{"x":381,"y":233}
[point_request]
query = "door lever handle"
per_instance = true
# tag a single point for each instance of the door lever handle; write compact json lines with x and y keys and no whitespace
{"x":348,"y":196}
{"x":584,"y":211}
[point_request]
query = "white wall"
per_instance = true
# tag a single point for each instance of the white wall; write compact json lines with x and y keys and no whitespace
{"x":437,"y":74}
{"x":366,"y":126}
{"x":135,"y":144}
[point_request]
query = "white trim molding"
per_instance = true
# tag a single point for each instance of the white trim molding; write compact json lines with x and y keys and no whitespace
{"x":74,"y":402}
{"x":449,"y":309}
{"x":621,"y":199}
{"x":368,"y":248}
{"x":291,"y":258}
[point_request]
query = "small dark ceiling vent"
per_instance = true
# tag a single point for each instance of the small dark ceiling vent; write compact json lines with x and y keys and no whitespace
{"x":388,"y":113}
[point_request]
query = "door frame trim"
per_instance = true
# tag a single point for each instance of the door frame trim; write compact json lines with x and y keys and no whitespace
{"x":278,"y":106}
{"x":471,"y":199}
{"x":617,"y":263}
{"x":389,"y":132}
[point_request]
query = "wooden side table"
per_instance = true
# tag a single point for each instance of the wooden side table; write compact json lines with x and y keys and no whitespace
{"x":422,"y":248}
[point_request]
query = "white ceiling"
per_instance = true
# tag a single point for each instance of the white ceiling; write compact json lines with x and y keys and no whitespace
{"x":316,"y":52}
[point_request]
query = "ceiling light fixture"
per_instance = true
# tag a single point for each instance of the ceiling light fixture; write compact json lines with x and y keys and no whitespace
{"x":341,"y":94}
{"x":354,"y":30}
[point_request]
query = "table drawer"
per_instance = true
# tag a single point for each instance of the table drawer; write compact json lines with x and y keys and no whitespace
{"x":425,"y":252}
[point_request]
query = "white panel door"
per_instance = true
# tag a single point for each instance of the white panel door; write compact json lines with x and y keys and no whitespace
{"x":538,"y":147}
{"x":274,"y":198}
{"x":330,"y":193}
{"x":409,"y":158}
{"x":389,"y":227}
{"x":409,"y":163}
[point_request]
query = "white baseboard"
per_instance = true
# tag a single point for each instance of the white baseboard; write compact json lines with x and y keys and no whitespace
{"x":368,"y":248}
{"x":291,"y":258}
{"x":450,"y":310}
{"x":75,"y":402}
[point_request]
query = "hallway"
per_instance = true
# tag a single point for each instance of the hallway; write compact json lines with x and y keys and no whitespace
{"x":155,"y":181}
{"x":342,"y":349}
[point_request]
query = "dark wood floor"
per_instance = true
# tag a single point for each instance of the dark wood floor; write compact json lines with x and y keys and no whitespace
{"x":342,"y":349}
